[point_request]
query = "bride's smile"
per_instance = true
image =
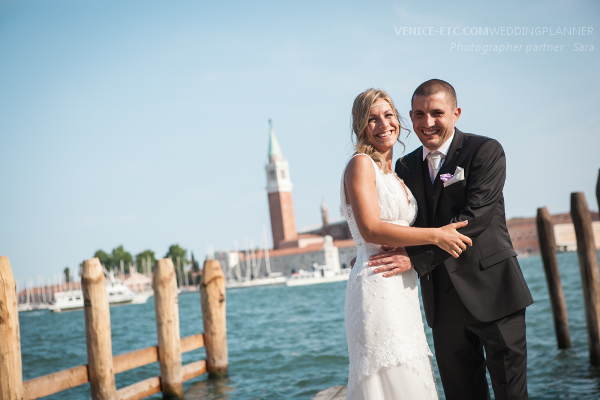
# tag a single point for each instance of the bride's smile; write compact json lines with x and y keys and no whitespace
{"x":383,"y":126}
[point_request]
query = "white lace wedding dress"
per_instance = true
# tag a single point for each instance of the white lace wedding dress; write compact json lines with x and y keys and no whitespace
{"x":389,"y":354}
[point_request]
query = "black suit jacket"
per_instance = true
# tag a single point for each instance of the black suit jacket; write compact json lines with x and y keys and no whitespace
{"x":486,"y":276}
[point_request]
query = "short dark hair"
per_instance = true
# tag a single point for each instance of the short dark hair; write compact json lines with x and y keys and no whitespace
{"x":434,"y":86}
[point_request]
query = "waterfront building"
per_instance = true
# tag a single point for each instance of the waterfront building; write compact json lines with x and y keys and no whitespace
{"x":337,"y":228}
{"x":524,"y":236}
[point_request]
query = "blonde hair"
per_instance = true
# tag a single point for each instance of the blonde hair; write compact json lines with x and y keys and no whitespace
{"x":360,"y":119}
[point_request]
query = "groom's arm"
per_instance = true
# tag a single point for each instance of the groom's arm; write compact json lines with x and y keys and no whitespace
{"x":485,"y":182}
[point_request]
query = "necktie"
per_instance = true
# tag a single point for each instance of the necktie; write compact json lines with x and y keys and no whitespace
{"x":434,"y":159}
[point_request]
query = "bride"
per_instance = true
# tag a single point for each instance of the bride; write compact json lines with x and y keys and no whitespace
{"x":389,"y":355}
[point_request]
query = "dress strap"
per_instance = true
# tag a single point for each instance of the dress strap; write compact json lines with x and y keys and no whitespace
{"x":366,"y":155}
{"x":343,"y":186}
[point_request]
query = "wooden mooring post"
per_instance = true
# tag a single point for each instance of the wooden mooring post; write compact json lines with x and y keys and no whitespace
{"x":212,"y":297}
{"x":97,"y":331}
{"x":555,"y":289}
{"x":588,"y":265}
{"x":167,"y":327}
{"x":11,"y":372}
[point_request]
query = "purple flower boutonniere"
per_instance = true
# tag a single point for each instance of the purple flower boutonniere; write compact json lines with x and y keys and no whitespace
{"x":445,"y":177}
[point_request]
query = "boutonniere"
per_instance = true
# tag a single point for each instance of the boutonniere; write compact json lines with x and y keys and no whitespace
{"x":450,"y":179}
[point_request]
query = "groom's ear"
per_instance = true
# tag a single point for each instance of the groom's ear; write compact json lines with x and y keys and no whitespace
{"x":457,"y":112}
{"x":410,"y":114}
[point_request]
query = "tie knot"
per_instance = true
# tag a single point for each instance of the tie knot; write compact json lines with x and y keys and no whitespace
{"x":434,"y":159}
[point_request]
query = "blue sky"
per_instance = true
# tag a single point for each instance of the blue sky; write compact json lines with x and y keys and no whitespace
{"x":145,"y":123}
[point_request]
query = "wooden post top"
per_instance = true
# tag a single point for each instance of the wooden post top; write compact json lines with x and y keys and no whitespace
{"x":164,"y":269}
{"x":212,"y":270}
{"x":6,"y":274}
{"x":92,"y":271}
{"x":3,"y":260}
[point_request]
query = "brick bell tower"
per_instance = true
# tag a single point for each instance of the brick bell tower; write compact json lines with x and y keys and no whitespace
{"x":279,"y":190}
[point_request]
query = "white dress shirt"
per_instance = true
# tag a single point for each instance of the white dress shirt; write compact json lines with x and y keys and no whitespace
{"x":442,"y":149}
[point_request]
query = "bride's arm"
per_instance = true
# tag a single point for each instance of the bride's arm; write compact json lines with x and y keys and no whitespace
{"x":361,"y":193}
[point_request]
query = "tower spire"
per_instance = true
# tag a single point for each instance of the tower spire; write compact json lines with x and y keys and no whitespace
{"x":275,"y":153}
{"x":324,"y":213}
{"x":279,"y":190}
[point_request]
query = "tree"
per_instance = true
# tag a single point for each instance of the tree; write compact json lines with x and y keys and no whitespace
{"x":195,"y":265}
{"x":119,"y":254}
{"x":67,"y":274}
{"x":104,"y":258}
{"x":176,"y":251}
{"x":196,"y":269}
{"x":143,"y":257}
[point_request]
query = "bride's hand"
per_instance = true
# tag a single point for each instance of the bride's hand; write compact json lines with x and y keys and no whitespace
{"x":452,"y":241}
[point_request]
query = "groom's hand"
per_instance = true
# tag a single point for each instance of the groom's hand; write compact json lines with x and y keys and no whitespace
{"x":392,"y":261}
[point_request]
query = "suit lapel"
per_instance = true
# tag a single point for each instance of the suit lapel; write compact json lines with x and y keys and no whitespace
{"x":449,"y":164}
{"x":419,"y":191}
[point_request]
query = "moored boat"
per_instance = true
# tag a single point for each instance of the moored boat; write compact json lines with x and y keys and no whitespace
{"x":321,"y":274}
{"x":117,"y":294}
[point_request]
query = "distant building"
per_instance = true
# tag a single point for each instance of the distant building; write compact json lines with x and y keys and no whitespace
{"x":138,"y":282}
{"x":524,"y":236}
{"x":336,"y":228}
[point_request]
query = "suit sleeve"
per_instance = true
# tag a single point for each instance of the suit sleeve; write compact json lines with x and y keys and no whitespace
{"x":485,"y":182}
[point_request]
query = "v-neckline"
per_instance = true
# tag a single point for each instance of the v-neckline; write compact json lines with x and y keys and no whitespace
{"x":403,"y":186}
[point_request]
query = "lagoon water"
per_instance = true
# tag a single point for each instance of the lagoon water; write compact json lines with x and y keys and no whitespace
{"x":289,"y":343}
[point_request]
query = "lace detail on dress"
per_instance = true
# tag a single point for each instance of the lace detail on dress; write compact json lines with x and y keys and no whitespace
{"x":383,"y":319}
{"x":397,"y":350}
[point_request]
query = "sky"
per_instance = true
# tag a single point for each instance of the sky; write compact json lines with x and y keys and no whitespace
{"x":145,"y":123}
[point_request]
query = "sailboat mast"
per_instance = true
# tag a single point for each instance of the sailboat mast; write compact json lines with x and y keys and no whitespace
{"x":247,"y":260}
{"x":253,"y":257}
{"x":267,"y":260}
{"x":238,"y":268}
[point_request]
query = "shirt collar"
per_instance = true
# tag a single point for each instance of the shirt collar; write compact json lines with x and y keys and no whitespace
{"x":443,"y":148}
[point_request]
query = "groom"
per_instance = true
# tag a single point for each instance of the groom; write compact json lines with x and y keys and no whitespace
{"x":476,"y":301}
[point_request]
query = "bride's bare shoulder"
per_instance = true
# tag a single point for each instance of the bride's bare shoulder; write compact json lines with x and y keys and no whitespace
{"x":359,"y":167}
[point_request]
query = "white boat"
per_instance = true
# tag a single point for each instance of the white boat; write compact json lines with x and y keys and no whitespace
{"x":321,"y":274}
{"x":24,"y":307}
{"x":73,"y":299}
{"x":117,"y":293}
{"x":142,"y":297}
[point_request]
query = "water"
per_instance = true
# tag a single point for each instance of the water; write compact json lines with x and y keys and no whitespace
{"x":289,"y":343}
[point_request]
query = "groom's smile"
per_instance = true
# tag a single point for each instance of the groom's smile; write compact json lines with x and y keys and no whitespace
{"x":433,"y":119}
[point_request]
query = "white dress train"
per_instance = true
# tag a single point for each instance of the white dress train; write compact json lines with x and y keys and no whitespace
{"x":389,"y":354}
